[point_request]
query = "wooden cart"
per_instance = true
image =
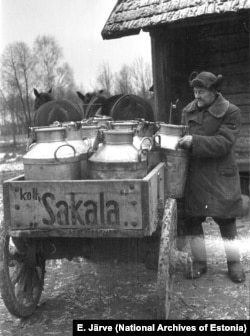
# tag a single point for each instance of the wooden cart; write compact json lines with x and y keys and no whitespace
{"x":59,"y":219}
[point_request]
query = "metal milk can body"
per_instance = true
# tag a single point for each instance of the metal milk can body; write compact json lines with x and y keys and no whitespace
{"x":74,"y":137}
{"x":117,"y":157}
{"x":51,"y":157}
{"x":176,"y":168}
{"x":176,"y":159}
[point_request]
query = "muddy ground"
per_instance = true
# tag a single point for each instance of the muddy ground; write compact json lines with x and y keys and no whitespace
{"x":120,"y":288}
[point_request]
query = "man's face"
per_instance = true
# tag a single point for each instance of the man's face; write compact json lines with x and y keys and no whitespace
{"x":204,"y":97}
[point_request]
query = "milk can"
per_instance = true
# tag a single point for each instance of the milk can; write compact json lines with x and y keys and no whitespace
{"x":175,"y":158}
{"x":143,"y":136}
{"x":168,"y":135}
{"x":118,"y":158}
{"x":73,"y":131}
{"x":147,"y":129}
{"x":51,"y":157}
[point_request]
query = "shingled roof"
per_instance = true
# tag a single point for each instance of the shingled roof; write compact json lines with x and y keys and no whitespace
{"x":130,"y":16}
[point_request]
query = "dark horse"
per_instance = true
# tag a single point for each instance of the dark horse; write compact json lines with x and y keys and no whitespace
{"x":119,"y":107}
{"x":49,"y":110}
{"x":92,"y":102}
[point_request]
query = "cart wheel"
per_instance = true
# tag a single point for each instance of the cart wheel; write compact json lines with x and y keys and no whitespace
{"x":21,"y":276}
{"x":164,"y":275}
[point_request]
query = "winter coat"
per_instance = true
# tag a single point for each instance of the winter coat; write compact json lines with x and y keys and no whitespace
{"x":213,"y":184}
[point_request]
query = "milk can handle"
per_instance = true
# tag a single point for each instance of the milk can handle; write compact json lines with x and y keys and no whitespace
{"x":29,"y":144}
{"x":89,"y":121}
{"x":157,"y":143}
{"x":32,"y":133}
{"x":98,"y":139}
{"x":146,"y":138}
{"x":185,"y":130}
{"x":142,"y":151}
{"x":78,"y":125}
{"x":56,"y":124}
{"x":157,"y":126}
{"x":56,"y":158}
{"x":31,"y":140}
{"x":89,"y":152}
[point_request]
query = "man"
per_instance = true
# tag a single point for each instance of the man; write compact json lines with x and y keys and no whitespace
{"x":213,"y":184}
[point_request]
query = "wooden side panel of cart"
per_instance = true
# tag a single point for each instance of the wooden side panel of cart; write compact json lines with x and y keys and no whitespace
{"x":69,"y":209}
{"x":84,"y":208}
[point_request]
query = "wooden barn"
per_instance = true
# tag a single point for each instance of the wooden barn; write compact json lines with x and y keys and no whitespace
{"x":187,"y":35}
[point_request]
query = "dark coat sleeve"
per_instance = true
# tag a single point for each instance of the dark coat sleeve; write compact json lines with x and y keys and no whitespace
{"x":222,"y":142}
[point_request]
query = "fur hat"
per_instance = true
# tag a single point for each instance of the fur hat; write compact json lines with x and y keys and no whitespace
{"x":205,"y":79}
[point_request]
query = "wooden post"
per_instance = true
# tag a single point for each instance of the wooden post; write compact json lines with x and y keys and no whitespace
{"x":161,"y":66}
{"x":164,"y":276}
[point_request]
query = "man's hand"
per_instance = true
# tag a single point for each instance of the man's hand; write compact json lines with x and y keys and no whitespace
{"x":186,"y":142}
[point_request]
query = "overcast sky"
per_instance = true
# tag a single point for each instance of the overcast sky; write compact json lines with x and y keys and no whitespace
{"x":76,"y":25}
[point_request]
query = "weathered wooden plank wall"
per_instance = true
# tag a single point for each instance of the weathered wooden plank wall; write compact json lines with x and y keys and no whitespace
{"x":221,"y":47}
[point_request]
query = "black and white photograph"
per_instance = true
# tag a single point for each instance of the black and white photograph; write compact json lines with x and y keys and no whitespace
{"x":124,"y":166}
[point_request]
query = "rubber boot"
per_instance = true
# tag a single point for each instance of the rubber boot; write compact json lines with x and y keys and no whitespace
{"x":231,"y":245}
{"x":235,"y":270}
{"x":198,"y":248}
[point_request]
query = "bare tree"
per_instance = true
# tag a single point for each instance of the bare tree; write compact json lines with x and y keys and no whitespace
{"x":105,"y":78}
{"x":47,"y":54}
{"x":64,"y":77}
{"x":49,"y":67}
{"x":123,"y":82}
{"x":10,"y":113}
{"x":22,"y":70}
{"x":141,"y":75}
{"x":130,"y":79}
{"x":17,"y":68}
